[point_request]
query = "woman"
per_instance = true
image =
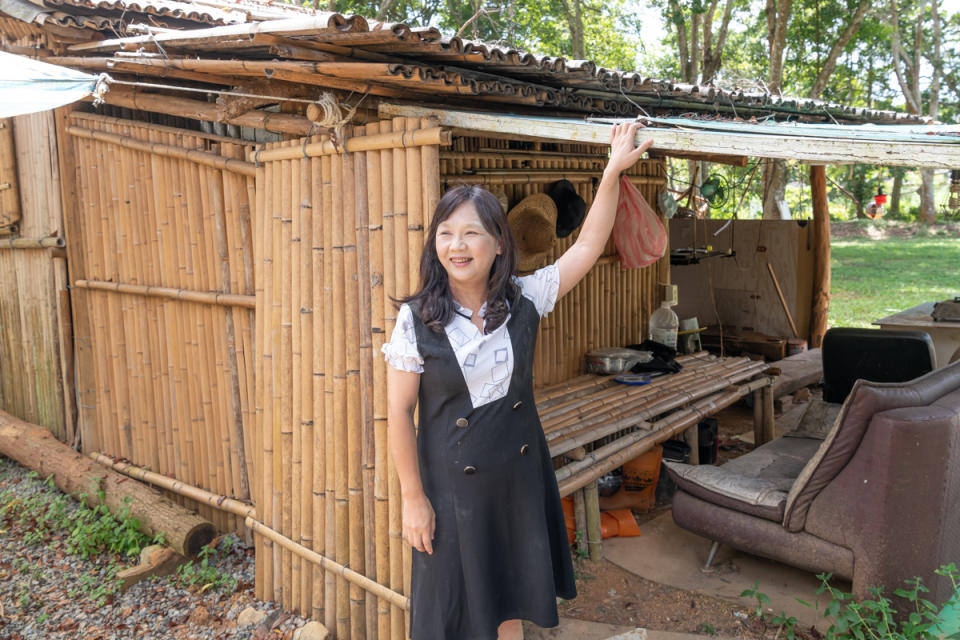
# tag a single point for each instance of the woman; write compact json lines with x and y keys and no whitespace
{"x":479,"y":495}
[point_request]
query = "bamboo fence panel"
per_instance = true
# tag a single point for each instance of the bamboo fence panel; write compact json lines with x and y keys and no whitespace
{"x":33,"y":339}
{"x":333,"y":253}
{"x":159,"y":236}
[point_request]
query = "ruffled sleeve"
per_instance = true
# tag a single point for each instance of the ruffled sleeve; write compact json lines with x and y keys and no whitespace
{"x":401,"y":352}
{"x":541,"y":288}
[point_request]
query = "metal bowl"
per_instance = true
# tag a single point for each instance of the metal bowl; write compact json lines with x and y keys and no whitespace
{"x":612,"y":360}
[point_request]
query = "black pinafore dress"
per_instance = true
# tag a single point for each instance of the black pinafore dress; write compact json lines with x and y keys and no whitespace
{"x":500,"y":547}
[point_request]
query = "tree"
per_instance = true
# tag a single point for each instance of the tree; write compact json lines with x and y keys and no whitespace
{"x":907,"y":63}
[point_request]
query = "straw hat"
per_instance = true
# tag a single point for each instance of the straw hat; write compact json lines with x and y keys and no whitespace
{"x":533,"y":223}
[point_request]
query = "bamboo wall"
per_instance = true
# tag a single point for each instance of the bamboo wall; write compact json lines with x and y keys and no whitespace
{"x":35,"y":352}
{"x":610,"y":306}
{"x":165,"y":376}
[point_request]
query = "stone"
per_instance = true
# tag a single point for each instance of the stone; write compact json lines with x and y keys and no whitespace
{"x":801,"y":395}
{"x":250,"y":617}
{"x":199,"y":616}
{"x":313,"y":630}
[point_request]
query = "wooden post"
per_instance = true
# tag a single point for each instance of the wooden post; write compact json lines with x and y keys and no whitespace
{"x":821,"y":255}
{"x":580,"y":521}
{"x":768,"y":428}
{"x":591,"y":504}
{"x":692,"y":436}
{"x":757,"y":418}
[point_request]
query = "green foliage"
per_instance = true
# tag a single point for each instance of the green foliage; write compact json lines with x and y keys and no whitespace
{"x":873,"y":618}
{"x":87,"y":531}
{"x":203,"y":573}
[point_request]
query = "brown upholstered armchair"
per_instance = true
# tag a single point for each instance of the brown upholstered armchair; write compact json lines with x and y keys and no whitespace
{"x":876,"y":501}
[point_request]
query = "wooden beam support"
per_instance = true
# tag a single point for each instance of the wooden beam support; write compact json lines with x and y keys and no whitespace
{"x":821,"y":256}
{"x":938,"y":155}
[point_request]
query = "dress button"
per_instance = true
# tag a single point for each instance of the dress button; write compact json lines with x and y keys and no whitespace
{"x":469,"y":469}
{"x":517,"y":405}
{"x":524,"y":449}
{"x":462,"y":422}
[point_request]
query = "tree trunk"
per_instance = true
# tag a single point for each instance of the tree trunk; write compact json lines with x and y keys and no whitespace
{"x":895,"y":193}
{"x":574,"y":15}
{"x":35,"y":448}
{"x":774,"y":181}
{"x":928,"y":205}
{"x":843,"y":39}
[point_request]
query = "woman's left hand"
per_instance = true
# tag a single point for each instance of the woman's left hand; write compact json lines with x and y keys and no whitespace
{"x":624,"y":153}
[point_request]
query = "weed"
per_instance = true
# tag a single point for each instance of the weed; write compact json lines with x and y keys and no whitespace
{"x":582,"y":552}
{"x":203,"y":573}
{"x":708,"y":629}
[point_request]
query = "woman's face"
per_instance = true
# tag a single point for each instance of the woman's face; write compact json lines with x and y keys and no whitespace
{"x":465,"y":248}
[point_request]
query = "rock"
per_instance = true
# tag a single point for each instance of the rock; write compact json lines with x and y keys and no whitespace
{"x":313,"y":630}
{"x":250,"y":617}
{"x":199,"y":616}
{"x":801,"y":395}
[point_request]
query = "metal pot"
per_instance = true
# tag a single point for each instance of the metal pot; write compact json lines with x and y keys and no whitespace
{"x":612,"y":360}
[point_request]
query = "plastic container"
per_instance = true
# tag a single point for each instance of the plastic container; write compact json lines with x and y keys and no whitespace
{"x":674,"y":451}
{"x":708,"y":440}
{"x":640,"y":478}
{"x":663,"y":325}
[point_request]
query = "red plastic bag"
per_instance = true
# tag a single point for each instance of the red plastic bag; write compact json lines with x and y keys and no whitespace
{"x":640,"y":237}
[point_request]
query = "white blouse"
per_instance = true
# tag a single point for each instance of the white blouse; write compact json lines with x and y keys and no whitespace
{"x":486,"y":360}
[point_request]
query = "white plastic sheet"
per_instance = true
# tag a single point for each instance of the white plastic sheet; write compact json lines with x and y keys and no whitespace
{"x":28,"y":85}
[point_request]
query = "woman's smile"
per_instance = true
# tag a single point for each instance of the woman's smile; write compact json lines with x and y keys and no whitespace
{"x":465,"y":248}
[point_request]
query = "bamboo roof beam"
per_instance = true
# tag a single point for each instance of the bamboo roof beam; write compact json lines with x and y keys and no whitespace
{"x":198,"y":110}
{"x":939,"y":155}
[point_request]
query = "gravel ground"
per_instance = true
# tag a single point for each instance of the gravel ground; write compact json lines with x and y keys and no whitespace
{"x":46,"y":592}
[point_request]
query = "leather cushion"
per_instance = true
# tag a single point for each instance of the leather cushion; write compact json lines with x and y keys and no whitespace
{"x":761,"y":497}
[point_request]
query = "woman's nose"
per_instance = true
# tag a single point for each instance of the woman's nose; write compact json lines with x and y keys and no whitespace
{"x":459,"y":241}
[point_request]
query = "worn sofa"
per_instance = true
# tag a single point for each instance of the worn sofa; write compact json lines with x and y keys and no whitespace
{"x":875,"y":501}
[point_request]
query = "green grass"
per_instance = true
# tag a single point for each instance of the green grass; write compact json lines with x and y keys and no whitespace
{"x":871,"y":279}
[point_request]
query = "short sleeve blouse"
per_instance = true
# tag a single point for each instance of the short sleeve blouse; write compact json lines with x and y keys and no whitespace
{"x":486,"y":360}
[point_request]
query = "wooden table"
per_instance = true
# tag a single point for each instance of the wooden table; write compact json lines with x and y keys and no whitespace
{"x":945,"y":335}
{"x":594,"y":424}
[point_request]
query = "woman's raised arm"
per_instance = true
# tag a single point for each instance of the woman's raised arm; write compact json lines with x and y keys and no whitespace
{"x":580,"y":258}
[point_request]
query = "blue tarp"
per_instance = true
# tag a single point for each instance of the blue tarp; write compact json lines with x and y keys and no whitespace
{"x":28,"y":85}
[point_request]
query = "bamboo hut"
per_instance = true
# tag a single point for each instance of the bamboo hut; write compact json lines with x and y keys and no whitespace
{"x":200,"y":272}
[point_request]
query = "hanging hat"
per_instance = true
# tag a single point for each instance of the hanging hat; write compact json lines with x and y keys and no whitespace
{"x":571,"y":208}
{"x":533,"y":223}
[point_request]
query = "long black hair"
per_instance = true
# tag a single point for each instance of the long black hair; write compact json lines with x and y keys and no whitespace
{"x":434,"y":299}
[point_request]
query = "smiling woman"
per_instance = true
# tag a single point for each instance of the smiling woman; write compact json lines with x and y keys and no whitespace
{"x":480,"y":501}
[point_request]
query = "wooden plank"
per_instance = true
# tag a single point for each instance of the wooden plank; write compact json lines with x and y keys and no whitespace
{"x":828,"y":151}
{"x":821,"y":256}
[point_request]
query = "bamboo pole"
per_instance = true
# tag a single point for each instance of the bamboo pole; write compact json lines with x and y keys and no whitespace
{"x":591,"y":503}
{"x":365,"y":269}
{"x":352,"y":463}
{"x":221,"y":502}
{"x":331,"y":566}
{"x":261,"y":477}
{"x":213,"y":160}
{"x":295,"y":462}
{"x":389,"y":140}
{"x":305,"y":380}
{"x":184,"y":295}
{"x":32,"y":243}
{"x":340,"y":399}
{"x":329,"y":337}
{"x":319,"y":451}
{"x":282,"y":465}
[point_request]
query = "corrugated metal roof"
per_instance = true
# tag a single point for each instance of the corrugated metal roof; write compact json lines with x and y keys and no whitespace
{"x":424,"y":63}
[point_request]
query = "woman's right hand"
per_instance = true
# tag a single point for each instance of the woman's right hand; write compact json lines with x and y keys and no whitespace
{"x":419,"y":522}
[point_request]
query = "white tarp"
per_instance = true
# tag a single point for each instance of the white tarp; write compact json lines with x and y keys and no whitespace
{"x":28,"y":85}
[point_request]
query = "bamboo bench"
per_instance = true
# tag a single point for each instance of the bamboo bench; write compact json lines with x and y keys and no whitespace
{"x":594,"y":424}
